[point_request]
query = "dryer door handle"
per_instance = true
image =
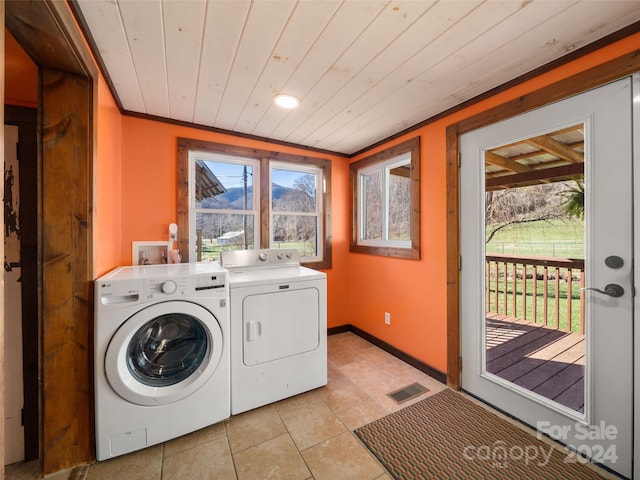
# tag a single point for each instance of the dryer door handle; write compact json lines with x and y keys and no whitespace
{"x":254,"y":330}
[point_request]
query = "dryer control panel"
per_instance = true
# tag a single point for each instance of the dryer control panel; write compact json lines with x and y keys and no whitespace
{"x":264,"y":258}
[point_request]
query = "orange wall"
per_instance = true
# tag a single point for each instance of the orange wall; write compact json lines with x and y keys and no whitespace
{"x":107,"y":195}
{"x":149,"y":194}
{"x":414,"y":292}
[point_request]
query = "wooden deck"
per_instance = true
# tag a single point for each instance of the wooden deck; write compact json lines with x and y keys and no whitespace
{"x":546,"y":361}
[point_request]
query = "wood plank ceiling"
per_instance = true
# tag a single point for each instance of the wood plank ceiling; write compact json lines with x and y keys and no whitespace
{"x":364,"y":70}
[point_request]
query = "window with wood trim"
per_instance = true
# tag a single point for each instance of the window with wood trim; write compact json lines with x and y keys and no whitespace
{"x":386,"y":202}
{"x":232,"y":197}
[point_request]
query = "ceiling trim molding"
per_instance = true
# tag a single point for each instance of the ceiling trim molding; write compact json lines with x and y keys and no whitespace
{"x":181,"y":123}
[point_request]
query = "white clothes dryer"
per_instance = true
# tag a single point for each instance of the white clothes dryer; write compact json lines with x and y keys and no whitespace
{"x":278,"y":312}
{"x":161,"y":354}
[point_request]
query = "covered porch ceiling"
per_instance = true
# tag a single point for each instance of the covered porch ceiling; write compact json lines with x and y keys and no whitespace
{"x":552,"y":157}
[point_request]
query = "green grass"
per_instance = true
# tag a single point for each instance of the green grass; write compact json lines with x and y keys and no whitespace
{"x":544,"y":238}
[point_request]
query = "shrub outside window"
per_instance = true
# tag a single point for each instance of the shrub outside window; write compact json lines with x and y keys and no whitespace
{"x":386,"y":202}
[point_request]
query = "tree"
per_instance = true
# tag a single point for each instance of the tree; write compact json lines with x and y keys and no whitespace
{"x":399,"y":207}
{"x":522,"y":205}
{"x":395,"y":202}
{"x":301,"y":198}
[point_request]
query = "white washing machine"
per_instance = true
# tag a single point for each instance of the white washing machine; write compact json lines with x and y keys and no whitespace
{"x":278,"y":312}
{"x":161,"y":354}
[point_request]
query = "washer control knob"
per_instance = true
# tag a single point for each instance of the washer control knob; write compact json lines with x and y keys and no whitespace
{"x":262,"y":256}
{"x":280,"y":256}
{"x":288,"y":254}
{"x":169,"y":287}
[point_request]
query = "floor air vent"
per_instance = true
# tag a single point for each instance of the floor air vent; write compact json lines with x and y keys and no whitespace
{"x":407,"y":393}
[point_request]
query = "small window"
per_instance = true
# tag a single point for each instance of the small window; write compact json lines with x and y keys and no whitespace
{"x":386,"y":201}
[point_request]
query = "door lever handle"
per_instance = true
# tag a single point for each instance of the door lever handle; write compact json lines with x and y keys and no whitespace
{"x":612,"y":289}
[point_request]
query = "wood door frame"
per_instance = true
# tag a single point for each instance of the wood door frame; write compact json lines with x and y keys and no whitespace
{"x":67,"y":83}
{"x":594,"y":77}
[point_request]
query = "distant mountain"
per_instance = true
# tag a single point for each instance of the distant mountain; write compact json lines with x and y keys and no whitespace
{"x":234,"y":197}
{"x":277,"y":191}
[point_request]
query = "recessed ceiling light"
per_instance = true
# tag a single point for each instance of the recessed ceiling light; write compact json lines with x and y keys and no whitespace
{"x":287,"y":101}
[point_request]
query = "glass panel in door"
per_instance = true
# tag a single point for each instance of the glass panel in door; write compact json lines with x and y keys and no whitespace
{"x":534,"y":265}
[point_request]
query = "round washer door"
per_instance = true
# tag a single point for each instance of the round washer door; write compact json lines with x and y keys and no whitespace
{"x":164,"y":353}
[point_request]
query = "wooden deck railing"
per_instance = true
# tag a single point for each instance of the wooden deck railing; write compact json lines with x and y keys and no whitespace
{"x":553,"y":299}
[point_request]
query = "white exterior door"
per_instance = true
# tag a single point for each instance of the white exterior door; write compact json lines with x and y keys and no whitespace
{"x":602,"y":429}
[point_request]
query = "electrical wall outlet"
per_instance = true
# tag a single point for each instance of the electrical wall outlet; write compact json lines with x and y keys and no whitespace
{"x":387,"y":318}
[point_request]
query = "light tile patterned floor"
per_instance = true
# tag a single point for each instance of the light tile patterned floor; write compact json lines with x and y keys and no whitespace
{"x":309,"y":436}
